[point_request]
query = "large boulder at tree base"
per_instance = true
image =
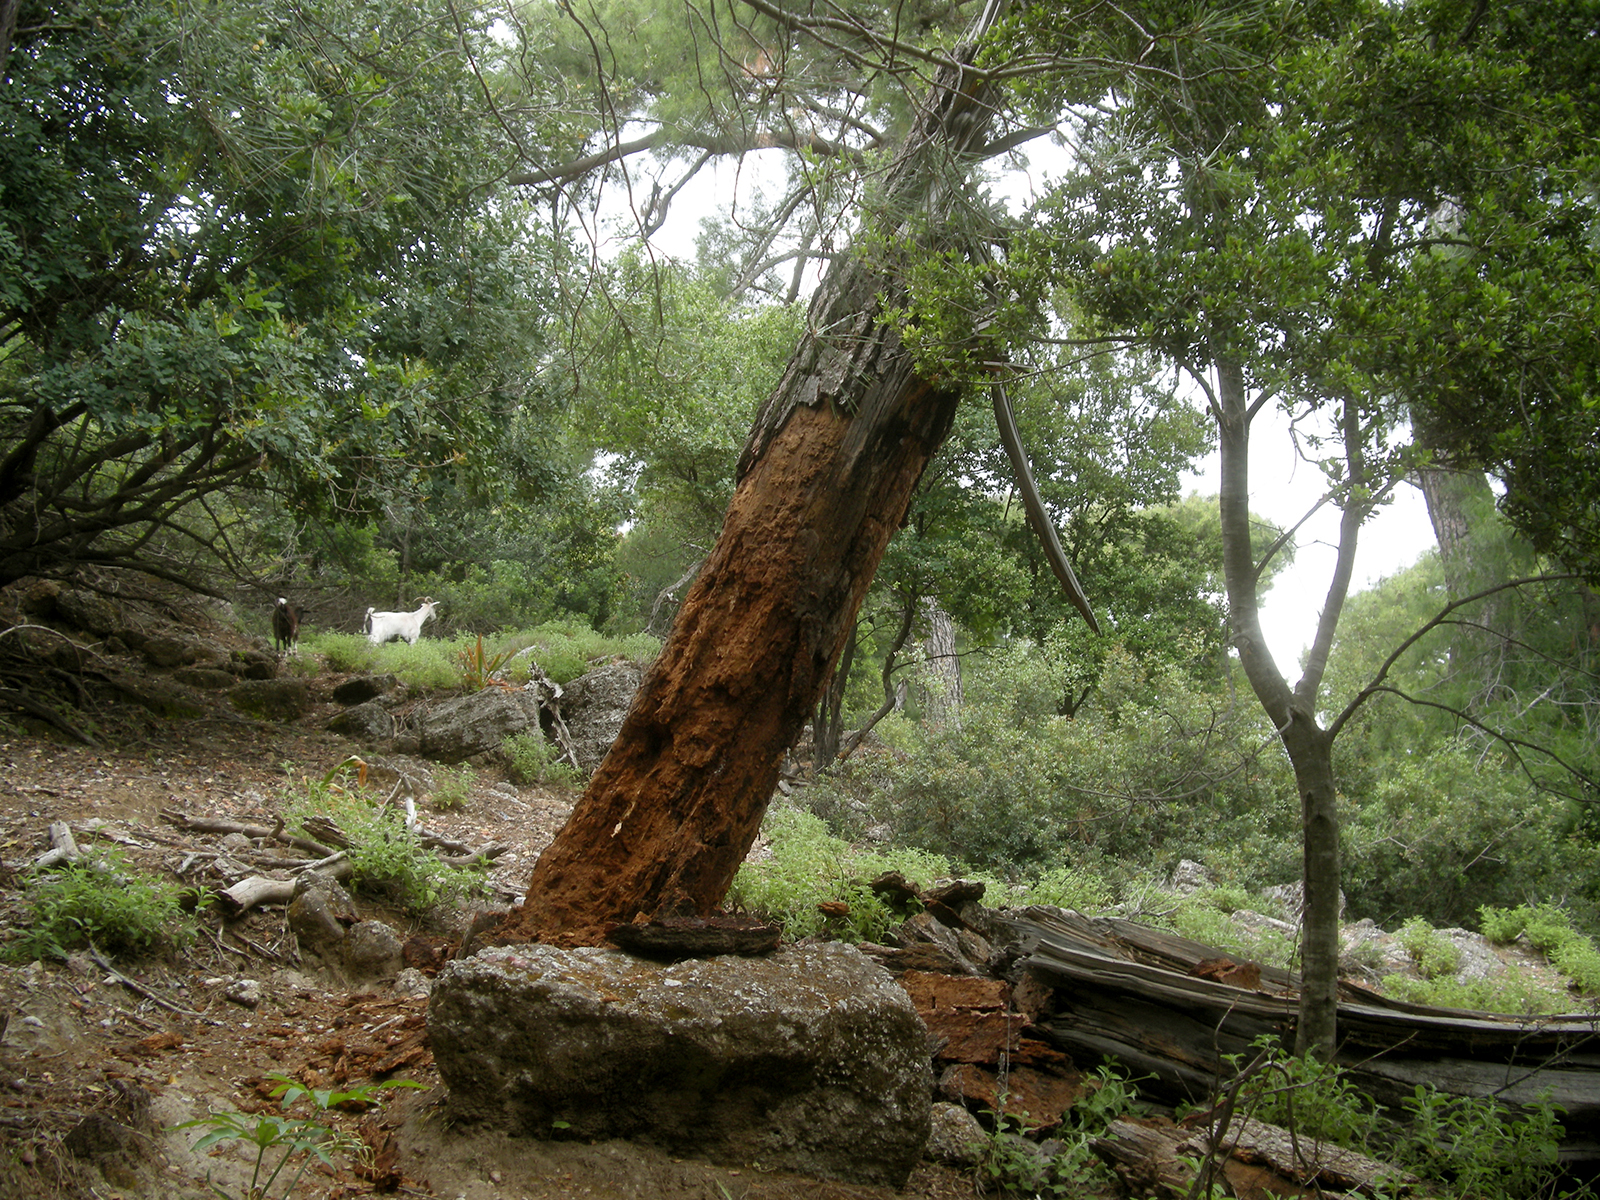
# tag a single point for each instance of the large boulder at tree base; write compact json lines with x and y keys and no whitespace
{"x":167,"y":652}
{"x":476,"y":723}
{"x":593,"y":707}
{"x":208,"y":679}
{"x":810,"y":1059}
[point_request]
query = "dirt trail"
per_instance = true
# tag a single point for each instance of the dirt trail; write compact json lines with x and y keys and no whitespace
{"x":165,"y":1045}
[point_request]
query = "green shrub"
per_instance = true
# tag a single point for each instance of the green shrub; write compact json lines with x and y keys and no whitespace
{"x":1480,"y":1147}
{"x":1472,"y":1148}
{"x":530,"y":759}
{"x":288,"y":1137}
{"x":1435,"y":954}
{"x":1010,"y":1164}
{"x":1471,"y":835}
{"x":1512,"y":992}
{"x":1549,"y":930}
{"x":386,"y":859}
{"x":1066,"y":887}
{"x":481,"y":668}
{"x":344,"y":653}
{"x":452,"y":787}
{"x":1156,"y":771}
{"x":808,"y":866}
{"x":1311,"y":1097}
{"x":565,"y":650}
{"x":105,"y":904}
{"x":1206,"y":916}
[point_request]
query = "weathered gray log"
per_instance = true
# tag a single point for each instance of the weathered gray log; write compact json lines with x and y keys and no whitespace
{"x":1157,"y":1158}
{"x":63,"y":848}
{"x":255,"y":890}
{"x":1126,"y":991}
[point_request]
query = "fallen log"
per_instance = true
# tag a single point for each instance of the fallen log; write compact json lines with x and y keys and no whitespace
{"x":1158,"y":1158}
{"x":1141,"y":996}
{"x":241,"y":897}
{"x":191,"y":824}
{"x":63,"y":848}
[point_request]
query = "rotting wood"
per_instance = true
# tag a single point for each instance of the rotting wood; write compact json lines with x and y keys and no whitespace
{"x":1128,"y":992}
{"x":63,"y":848}
{"x":1155,"y":1157}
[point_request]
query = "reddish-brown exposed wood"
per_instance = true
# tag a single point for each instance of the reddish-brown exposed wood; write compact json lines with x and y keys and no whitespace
{"x":672,"y":811}
{"x":824,"y":480}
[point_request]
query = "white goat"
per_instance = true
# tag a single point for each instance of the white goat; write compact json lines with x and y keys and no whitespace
{"x":385,"y":626}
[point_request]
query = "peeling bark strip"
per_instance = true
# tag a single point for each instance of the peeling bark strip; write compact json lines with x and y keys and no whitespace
{"x":825,"y":479}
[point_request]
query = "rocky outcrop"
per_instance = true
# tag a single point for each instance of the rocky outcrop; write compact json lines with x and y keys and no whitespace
{"x":810,"y":1059}
{"x":370,"y":724}
{"x":594,"y":705}
{"x":361,"y":688}
{"x":272,"y":699}
{"x":476,"y":723}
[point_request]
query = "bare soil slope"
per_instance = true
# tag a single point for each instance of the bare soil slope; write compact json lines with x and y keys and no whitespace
{"x":89,"y":1050}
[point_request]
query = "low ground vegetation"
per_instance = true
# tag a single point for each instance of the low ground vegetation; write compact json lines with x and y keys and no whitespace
{"x":1079,"y":813}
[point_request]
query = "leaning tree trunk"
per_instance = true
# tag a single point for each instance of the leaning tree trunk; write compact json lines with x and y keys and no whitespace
{"x":824,"y":480}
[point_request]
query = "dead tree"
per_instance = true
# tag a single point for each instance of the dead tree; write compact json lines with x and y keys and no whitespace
{"x":824,"y":480}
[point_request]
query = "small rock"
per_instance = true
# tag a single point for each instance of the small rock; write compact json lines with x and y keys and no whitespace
{"x":244,"y":992}
{"x":320,"y":911}
{"x":1189,"y":877}
{"x":272,"y":699}
{"x":956,"y":1138}
{"x":362,"y":688}
{"x":371,"y":948}
{"x":412,"y":982}
{"x":368,"y":723}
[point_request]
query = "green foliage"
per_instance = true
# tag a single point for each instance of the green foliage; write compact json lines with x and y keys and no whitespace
{"x":1549,"y":930}
{"x":1205,"y":917}
{"x":562,"y":649}
{"x":1157,"y":768}
{"x":1434,"y":953}
{"x":452,"y":787}
{"x":1514,"y":991}
{"x":1065,"y":887}
{"x":101,"y":903}
{"x":310,"y":1138}
{"x":530,"y":760}
{"x":1012,"y":1164}
{"x":479,"y":669}
{"x":248,"y":251}
{"x":673,"y":376}
{"x":386,"y":859}
{"x":1314,"y":1098}
{"x":567,"y":649}
{"x":1436,"y":834}
{"x":808,"y":866}
{"x":344,"y":653}
{"x":1481,"y":1147}
{"x":1471,"y":1147}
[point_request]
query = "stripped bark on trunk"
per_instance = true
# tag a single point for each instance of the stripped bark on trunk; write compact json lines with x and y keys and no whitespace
{"x":824,"y":481}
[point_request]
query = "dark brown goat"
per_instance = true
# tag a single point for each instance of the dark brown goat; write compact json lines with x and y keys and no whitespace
{"x":285,"y":626}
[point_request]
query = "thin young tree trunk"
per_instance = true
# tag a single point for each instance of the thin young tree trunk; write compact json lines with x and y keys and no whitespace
{"x":827,"y":727}
{"x":825,"y":479}
{"x":1292,"y":711}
